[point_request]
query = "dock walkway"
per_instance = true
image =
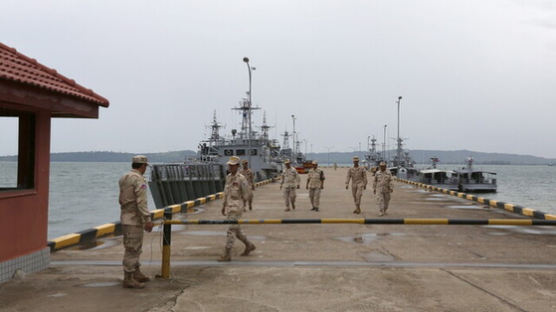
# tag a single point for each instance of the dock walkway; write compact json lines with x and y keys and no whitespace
{"x":315,"y":267}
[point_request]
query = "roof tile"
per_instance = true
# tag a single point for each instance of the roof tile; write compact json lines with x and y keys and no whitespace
{"x":17,"y":67}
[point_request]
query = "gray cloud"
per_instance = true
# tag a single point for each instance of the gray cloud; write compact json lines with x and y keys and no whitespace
{"x":472,"y":74}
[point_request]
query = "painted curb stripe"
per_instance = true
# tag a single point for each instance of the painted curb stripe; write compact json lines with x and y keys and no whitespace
{"x":490,"y":202}
{"x":90,"y":235}
{"x":105,"y":229}
{"x":66,"y":240}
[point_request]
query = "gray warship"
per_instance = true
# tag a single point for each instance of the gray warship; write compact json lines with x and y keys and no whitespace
{"x":373,"y":157}
{"x":262,"y":152}
{"x":205,"y":174}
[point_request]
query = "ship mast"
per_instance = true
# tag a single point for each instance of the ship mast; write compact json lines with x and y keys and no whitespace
{"x":246,"y":107}
{"x":286,"y":136}
{"x":265,"y":127}
{"x":215,"y":127}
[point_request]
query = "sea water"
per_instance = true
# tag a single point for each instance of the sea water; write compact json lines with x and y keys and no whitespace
{"x":85,"y":194}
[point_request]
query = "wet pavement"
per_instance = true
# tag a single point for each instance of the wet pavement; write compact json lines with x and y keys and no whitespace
{"x":315,"y":267}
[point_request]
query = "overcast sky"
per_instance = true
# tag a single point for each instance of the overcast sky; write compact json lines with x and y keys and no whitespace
{"x":474,"y":74}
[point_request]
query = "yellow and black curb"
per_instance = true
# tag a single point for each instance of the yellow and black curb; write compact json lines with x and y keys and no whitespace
{"x":115,"y":228}
{"x":535,"y":214}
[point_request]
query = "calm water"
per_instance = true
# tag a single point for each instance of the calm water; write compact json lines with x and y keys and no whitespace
{"x":84,"y":195}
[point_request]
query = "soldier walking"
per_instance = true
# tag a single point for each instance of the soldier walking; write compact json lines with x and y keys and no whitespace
{"x":248,"y":174}
{"x":382,"y":187}
{"x":135,"y":218}
{"x":291,"y":179}
{"x":358,"y":176}
{"x":235,"y":194}
{"x":315,"y":183}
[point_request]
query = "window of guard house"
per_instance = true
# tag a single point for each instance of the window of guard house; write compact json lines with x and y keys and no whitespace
{"x":17,"y":151}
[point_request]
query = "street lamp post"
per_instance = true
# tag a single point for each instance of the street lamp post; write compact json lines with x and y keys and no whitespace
{"x":328,"y":157}
{"x":294,"y":138}
{"x":246,"y":60}
{"x":399,"y":147}
{"x":384,"y":145}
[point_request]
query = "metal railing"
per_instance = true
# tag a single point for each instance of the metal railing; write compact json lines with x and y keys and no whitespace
{"x":176,"y":183}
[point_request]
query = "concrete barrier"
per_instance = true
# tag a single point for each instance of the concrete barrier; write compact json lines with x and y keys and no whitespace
{"x":535,"y":214}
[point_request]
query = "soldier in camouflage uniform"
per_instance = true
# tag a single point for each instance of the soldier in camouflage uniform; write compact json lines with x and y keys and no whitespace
{"x":382,"y":187}
{"x":248,"y":174}
{"x":315,"y":183}
{"x":358,"y":176}
{"x":135,"y":218}
{"x":291,"y":179}
{"x":235,"y":194}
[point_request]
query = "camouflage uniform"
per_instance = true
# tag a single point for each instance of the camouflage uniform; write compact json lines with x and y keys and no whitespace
{"x":382,"y":187}
{"x":134,"y":215}
{"x":248,"y":174}
{"x":358,"y":176}
{"x":315,"y":180}
{"x":291,"y":179}
{"x":235,"y":193}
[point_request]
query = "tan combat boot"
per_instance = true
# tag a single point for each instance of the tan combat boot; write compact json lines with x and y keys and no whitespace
{"x":140,"y":277}
{"x":227,"y":256}
{"x":248,"y":248}
{"x":129,"y":282}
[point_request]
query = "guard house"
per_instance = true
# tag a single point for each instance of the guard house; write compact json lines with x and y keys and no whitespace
{"x":30,"y":95}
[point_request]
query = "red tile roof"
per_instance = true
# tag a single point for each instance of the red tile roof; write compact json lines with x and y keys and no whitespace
{"x":17,"y":67}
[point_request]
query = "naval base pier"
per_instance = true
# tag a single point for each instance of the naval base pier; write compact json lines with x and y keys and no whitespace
{"x":319,"y":266}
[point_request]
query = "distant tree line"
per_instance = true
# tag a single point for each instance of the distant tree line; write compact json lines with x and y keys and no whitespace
{"x":419,"y":156}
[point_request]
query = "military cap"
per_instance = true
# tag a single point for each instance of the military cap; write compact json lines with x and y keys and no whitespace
{"x":234,"y":160}
{"x":287,"y":161}
{"x":315,"y":162}
{"x":355,"y":158}
{"x":140,"y":159}
{"x":382,"y":163}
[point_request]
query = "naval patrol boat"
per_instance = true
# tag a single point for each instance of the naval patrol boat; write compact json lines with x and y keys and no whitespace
{"x":373,"y":158}
{"x":205,"y":174}
{"x":470,"y":179}
{"x":262,"y":152}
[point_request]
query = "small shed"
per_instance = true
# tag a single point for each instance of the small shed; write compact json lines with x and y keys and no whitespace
{"x":31,"y":94}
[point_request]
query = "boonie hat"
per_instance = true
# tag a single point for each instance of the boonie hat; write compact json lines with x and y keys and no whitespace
{"x":315,"y":162}
{"x":245,"y":161}
{"x":234,"y":160}
{"x":382,"y":163}
{"x":287,"y":161}
{"x":355,"y":158}
{"x":140,"y":159}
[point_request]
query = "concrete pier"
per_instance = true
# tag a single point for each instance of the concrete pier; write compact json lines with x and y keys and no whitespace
{"x":315,"y":267}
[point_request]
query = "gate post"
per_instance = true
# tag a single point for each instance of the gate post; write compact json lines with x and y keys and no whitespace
{"x":166,"y":239}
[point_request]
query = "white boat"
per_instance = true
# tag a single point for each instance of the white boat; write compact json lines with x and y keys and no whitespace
{"x":472,"y":180}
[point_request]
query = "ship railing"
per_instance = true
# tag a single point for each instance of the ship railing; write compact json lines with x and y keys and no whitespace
{"x":175,"y":183}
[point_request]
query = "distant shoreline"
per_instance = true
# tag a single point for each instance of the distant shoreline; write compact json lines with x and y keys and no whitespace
{"x":420,"y":156}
